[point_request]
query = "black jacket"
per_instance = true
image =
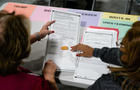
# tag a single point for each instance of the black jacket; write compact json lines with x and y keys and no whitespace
{"x":106,"y":81}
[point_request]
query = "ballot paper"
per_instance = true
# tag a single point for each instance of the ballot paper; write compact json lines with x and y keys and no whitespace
{"x":67,"y":32}
{"x":92,"y":68}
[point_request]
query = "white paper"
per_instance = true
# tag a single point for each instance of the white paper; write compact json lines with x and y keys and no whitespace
{"x":67,"y":29}
{"x":98,"y":38}
{"x":92,"y":68}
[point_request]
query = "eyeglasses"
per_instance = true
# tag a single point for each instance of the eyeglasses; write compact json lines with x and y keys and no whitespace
{"x":118,"y":42}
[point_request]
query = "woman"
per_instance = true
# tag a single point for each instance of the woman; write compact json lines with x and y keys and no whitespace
{"x":15,"y":42}
{"x":126,"y":77}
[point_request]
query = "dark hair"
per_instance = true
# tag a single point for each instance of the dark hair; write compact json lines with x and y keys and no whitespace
{"x":136,"y":24}
{"x":15,"y":44}
{"x":131,"y":70}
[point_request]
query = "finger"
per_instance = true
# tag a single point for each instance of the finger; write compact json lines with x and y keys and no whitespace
{"x":80,"y":54}
{"x":43,"y":33}
{"x":49,"y":32}
{"x":51,"y":62}
{"x":45,"y":27}
{"x":49,"y":23}
{"x":80,"y":47}
{"x":75,"y":48}
{"x":48,"y":61}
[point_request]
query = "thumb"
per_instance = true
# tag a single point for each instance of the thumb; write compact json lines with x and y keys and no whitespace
{"x":47,"y":33}
{"x":50,"y":32}
{"x":80,"y":54}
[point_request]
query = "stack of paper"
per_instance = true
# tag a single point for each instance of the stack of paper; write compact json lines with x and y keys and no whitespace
{"x":96,"y":37}
{"x":67,"y":33}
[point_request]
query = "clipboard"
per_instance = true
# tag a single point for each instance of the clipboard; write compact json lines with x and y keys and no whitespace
{"x":56,"y":39}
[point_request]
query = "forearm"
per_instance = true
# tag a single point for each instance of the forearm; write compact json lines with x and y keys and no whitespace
{"x":42,"y":33}
{"x":34,"y":37}
{"x":49,"y":73}
{"x":108,"y":55}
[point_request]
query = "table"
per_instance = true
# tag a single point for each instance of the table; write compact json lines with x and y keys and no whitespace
{"x":41,"y":14}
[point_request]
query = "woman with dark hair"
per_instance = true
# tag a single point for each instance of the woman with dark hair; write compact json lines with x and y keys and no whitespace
{"x":15,"y":45}
{"x":126,"y":77}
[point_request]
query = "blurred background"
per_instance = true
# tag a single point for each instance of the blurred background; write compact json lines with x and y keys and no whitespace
{"x":116,"y":6}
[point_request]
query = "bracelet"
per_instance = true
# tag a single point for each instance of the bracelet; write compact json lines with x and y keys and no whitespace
{"x":37,"y":36}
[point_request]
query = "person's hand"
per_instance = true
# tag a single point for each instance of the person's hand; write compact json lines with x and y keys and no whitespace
{"x":49,"y":71}
{"x":85,"y":50}
{"x":45,"y":30}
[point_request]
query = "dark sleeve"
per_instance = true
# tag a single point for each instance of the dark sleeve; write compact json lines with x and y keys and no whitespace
{"x":105,"y":82}
{"x":108,"y":55}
